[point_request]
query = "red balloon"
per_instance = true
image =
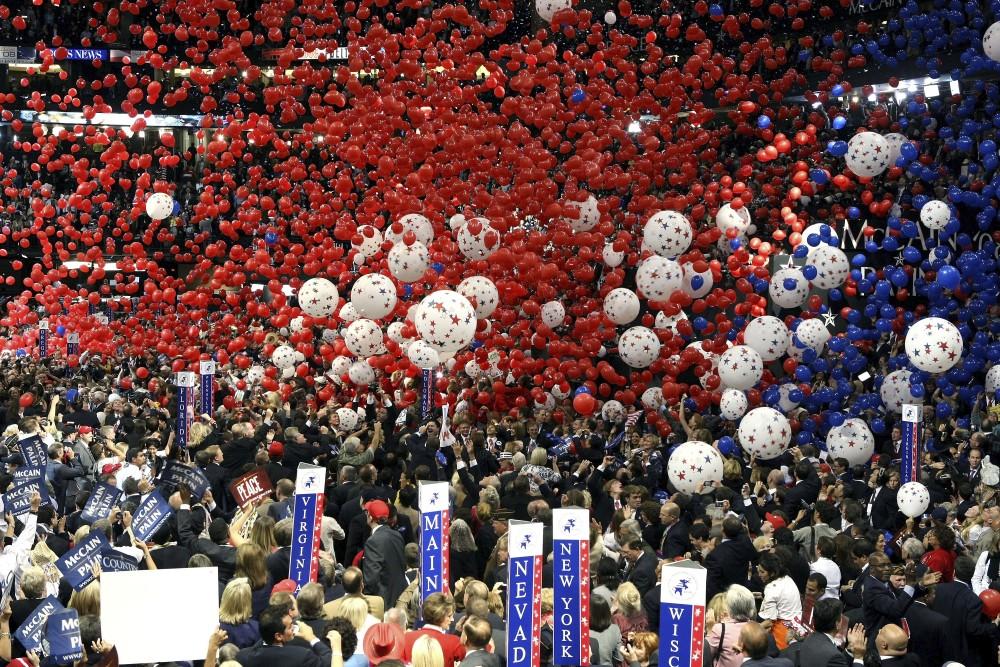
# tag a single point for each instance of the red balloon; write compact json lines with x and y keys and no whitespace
{"x":991,"y":602}
{"x":584,"y":404}
{"x":26,"y":399}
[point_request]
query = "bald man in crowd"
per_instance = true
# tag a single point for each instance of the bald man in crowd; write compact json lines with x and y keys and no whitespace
{"x":753,"y":644}
{"x":891,"y":643}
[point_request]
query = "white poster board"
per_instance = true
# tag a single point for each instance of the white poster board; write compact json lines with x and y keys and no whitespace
{"x":188,"y":599}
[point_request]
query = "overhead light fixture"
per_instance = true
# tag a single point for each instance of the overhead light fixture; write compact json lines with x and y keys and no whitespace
{"x":932,"y":90}
{"x":634,"y":127}
{"x":872,"y":98}
{"x":955,"y":88}
{"x":900,"y":95}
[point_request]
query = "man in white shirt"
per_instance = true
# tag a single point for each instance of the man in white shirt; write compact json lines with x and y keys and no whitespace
{"x":134,"y":468}
{"x":826,"y":549}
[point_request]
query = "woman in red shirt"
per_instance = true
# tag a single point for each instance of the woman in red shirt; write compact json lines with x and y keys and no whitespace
{"x":940,"y":556}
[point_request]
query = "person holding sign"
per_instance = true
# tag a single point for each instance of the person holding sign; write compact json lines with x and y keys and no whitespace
{"x":275,"y":648}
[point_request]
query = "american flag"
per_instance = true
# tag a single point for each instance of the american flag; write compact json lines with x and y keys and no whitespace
{"x":631,"y":420}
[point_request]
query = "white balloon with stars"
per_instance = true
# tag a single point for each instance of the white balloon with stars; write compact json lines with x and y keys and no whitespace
{"x":764,"y":432}
{"x":867,"y":154}
{"x":638,"y":347}
{"x":768,"y":335}
{"x":693,"y":464}
{"x":740,"y":367}
{"x":913,"y":499}
{"x":933,"y":344}
{"x":446,"y":320}
{"x":667,"y":233}
{"x":318,"y":297}
{"x":852,"y":440}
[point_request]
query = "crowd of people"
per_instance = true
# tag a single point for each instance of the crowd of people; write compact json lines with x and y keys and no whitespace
{"x":807,"y":557}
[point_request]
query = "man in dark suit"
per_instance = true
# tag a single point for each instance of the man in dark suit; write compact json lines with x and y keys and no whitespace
{"x":887,"y":596}
{"x":890,"y":647}
{"x":851,"y":592}
{"x":882,"y":508}
{"x":753,"y":644}
{"x":384,"y":563}
{"x":971,"y":467}
{"x":274,"y":649}
{"x":969,"y":637}
{"x":926,"y":631}
{"x":476,"y":635}
{"x":345,"y":490}
{"x":675,"y":541}
{"x":806,"y":489}
{"x":729,"y":563}
{"x":819,"y":649}
{"x":642,"y":565}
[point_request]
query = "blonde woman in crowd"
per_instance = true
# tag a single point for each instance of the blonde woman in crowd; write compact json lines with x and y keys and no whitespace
{"x":236,"y":613}
{"x":426,"y":653}
{"x":87,"y":601}
{"x":630,"y":616}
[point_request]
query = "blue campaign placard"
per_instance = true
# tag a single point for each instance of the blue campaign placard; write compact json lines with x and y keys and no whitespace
{"x":174,"y":474}
{"x":77,"y":564}
{"x":102,"y":500}
{"x":28,"y":474}
{"x":17,"y":501}
{"x":34,"y":451}
{"x":114,"y":560}
{"x":62,"y":631}
{"x":31,"y":631}
{"x":149,"y":516}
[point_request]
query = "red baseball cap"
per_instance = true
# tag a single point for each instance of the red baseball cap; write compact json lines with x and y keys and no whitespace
{"x":774,"y":520}
{"x":284,"y":586}
{"x":276,"y":449}
{"x":378,"y":509}
{"x":85,"y":430}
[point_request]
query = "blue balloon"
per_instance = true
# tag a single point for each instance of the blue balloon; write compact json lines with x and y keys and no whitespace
{"x":177,"y":207}
{"x":727,"y":445}
{"x":763,"y":122}
{"x":837,"y":148}
{"x":438,"y":266}
{"x":577,"y":96}
{"x":270,"y":238}
{"x":839,"y":122}
{"x":60,"y":330}
{"x":697,"y":282}
{"x":582,"y":389}
{"x":948,"y":277}
{"x":71,"y":395}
